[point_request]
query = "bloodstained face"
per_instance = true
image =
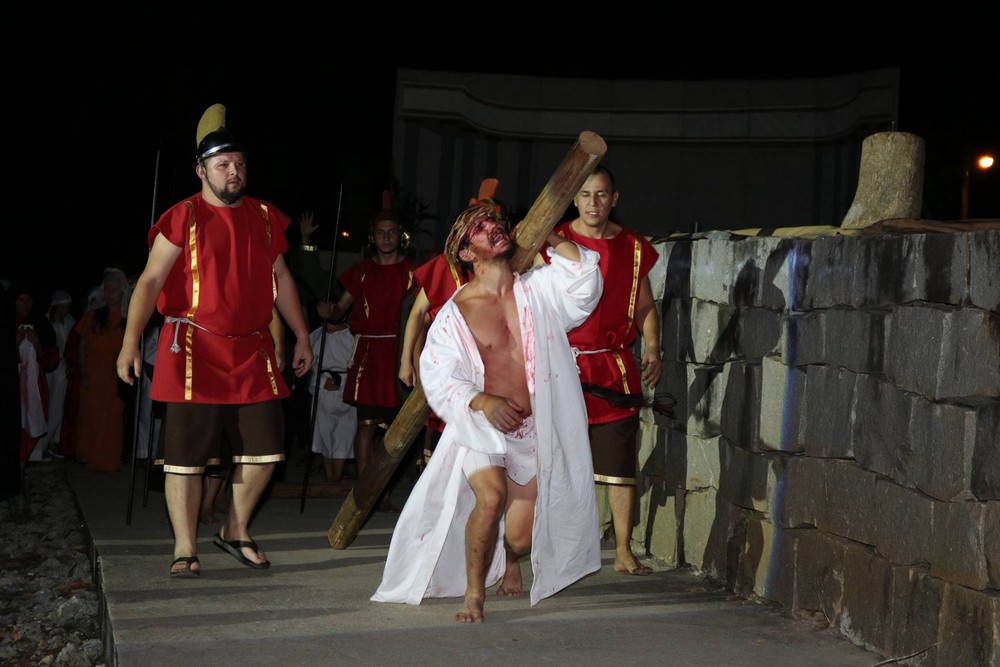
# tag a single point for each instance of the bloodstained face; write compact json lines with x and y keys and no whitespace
{"x":468,"y":223}
{"x":488,"y":238}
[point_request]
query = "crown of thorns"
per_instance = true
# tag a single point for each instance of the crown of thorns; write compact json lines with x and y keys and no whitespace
{"x":483,"y":209}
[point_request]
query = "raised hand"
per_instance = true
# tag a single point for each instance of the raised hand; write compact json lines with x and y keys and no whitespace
{"x":306,"y":225}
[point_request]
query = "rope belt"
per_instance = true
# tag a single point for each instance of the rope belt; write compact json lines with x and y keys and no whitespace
{"x":175,"y":348}
{"x":577,"y":352}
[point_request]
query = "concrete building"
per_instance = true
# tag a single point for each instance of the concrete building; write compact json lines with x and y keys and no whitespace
{"x":706,"y":155}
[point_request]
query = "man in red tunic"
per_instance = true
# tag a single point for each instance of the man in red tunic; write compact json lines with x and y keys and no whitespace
{"x":215,"y":271}
{"x":374,"y":289}
{"x":603,"y":345}
{"x":436,"y":281}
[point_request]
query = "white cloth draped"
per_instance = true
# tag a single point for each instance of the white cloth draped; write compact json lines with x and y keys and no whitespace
{"x":427,"y":552}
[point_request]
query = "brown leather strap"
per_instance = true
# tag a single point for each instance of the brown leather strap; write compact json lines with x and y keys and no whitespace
{"x":622,"y":400}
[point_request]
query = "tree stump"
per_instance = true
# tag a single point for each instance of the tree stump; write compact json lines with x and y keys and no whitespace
{"x":890,"y":181}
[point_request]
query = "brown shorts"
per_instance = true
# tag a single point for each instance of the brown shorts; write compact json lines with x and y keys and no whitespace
{"x":376,"y":414}
{"x":225,"y":466}
{"x":614,"y":450}
{"x":194,"y":436}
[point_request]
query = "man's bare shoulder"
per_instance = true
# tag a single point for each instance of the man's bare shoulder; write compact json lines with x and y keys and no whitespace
{"x":469,"y":292}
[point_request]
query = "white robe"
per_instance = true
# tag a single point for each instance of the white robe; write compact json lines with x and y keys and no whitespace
{"x":336,"y":421}
{"x":427,"y":553}
{"x":58,"y":381}
{"x":32,"y":408}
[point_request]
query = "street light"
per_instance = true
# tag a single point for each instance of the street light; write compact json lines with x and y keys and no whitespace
{"x":984,"y":162}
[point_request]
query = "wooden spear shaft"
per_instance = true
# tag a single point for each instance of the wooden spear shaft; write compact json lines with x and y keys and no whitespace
{"x":532,"y":232}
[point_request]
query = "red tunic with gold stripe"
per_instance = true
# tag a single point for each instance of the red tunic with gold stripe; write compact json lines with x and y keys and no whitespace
{"x":605,"y":339}
{"x":378,"y":291}
{"x":215,"y":346}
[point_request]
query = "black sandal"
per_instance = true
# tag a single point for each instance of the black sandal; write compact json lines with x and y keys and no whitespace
{"x":186,"y":573}
{"x":234,"y":549}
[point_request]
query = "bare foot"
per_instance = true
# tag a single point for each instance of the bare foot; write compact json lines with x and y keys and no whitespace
{"x":472,"y":612}
{"x":631,"y":565}
{"x":256,"y":555}
{"x":245,"y":551}
{"x":185,"y":567}
{"x":511,"y":584}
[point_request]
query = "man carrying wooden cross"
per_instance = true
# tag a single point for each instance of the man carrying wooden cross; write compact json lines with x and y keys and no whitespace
{"x":511,"y":475}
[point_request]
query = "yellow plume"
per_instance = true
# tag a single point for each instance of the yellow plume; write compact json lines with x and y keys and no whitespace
{"x":213,"y":119}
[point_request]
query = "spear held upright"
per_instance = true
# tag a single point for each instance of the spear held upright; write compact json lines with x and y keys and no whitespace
{"x":138,"y":384}
{"x":319,"y":359}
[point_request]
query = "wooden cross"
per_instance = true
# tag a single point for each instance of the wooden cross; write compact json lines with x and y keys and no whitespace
{"x":541,"y":218}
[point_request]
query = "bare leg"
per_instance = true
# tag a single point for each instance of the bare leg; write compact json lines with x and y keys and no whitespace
{"x":481,"y":532}
{"x":221,"y":505}
{"x":210,"y":491}
{"x":183,"y":495}
{"x":334,"y":469}
{"x":518,"y":524}
{"x":512,"y":583}
{"x":621,"y":498}
{"x":249,"y":482}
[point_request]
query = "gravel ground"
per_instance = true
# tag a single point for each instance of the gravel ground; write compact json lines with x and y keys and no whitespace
{"x":49,"y":608}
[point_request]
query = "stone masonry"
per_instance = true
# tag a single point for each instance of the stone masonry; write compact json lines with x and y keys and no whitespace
{"x":836,"y":447}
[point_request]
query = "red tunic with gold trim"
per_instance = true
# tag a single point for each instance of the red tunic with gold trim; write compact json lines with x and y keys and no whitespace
{"x":378,"y":291}
{"x":439,"y":279}
{"x":605,"y":338}
{"x":215,"y":346}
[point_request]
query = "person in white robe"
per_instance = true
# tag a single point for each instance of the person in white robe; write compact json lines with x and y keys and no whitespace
{"x":62,"y":323}
{"x":336,"y":421}
{"x":427,"y":553}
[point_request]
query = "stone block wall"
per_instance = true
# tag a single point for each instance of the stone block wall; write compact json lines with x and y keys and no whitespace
{"x":836,"y":447}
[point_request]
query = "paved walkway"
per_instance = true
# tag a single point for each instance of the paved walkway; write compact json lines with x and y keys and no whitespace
{"x":312,"y":606}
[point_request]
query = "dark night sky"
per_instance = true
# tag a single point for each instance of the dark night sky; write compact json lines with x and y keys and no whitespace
{"x":314,"y":122}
